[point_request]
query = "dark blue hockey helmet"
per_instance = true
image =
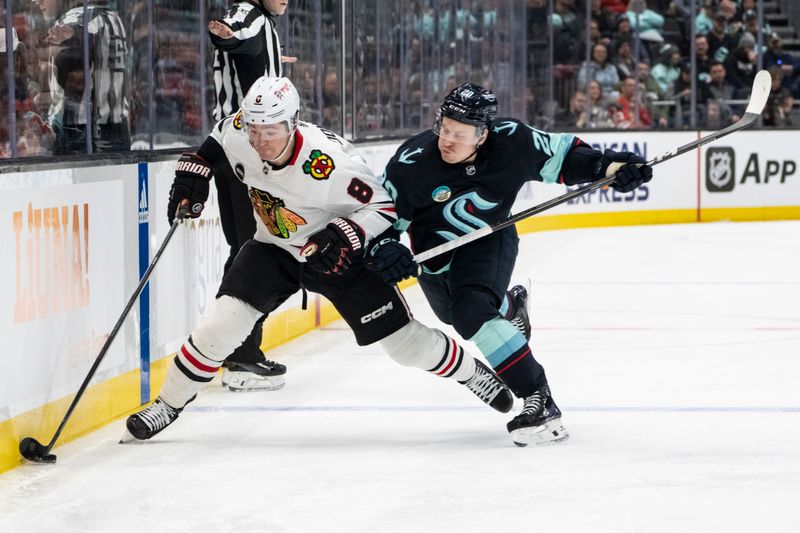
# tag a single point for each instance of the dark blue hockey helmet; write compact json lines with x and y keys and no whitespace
{"x":470,"y":104}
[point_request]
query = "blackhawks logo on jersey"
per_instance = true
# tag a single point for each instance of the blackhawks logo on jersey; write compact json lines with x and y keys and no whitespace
{"x":319,"y":165}
{"x":280,"y":221}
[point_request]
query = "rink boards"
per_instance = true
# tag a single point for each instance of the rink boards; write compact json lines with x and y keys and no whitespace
{"x":77,"y":239}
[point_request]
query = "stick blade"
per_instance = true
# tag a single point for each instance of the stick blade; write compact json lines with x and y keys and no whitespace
{"x":32,"y":450}
{"x":762,"y":85}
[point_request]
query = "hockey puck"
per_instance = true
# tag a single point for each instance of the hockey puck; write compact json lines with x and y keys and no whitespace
{"x":32,"y":450}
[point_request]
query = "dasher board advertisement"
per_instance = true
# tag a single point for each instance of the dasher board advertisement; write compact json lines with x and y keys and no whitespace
{"x":62,"y":287}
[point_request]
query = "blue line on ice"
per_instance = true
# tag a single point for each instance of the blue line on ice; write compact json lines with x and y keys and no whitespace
{"x":428,"y":408}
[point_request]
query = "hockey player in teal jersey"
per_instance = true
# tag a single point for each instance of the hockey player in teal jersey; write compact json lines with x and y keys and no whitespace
{"x":465,"y":174}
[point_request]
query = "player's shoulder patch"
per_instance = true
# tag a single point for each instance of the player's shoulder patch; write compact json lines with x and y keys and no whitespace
{"x":319,"y":165}
{"x":414,"y":149}
{"x":237,"y":121}
{"x":507,"y":127}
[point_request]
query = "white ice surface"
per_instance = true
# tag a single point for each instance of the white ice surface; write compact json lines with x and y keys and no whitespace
{"x":674,"y":352}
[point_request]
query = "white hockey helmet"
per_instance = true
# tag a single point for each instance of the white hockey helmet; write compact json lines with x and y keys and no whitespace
{"x":271,"y":101}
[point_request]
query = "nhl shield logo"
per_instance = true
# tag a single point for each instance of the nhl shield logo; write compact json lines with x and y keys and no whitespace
{"x":720,"y":169}
{"x":441,"y":194}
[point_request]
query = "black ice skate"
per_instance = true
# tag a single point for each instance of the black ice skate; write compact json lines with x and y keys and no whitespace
{"x":521,"y":317}
{"x":539,"y":422}
{"x":150,"y":421}
{"x":487,"y":386}
{"x":265,"y":375}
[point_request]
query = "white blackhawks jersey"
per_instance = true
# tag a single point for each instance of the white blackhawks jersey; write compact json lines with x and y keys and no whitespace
{"x":324,"y":179}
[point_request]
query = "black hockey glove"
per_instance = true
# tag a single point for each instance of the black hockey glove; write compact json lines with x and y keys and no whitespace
{"x":630,"y":176}
{"x":192,"y":175}
{"x":392,"y":261}
{"x":333,"y":249}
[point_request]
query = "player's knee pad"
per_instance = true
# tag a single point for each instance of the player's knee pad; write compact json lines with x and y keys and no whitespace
{"x":224,"y":327}
{"x":431,"y":350}
{"x":471,"y":307}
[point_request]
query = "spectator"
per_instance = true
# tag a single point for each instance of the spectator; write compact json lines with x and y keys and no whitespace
{"x":722,"y":91}
{"x":574,"y":116}
{"x":776,"y":56}
{"x":599,"y":116}
{"x":666,"y":71}
{"x":331,"y":110}
{"x":622,"y":31}
{"x":172,"y":95}
{"x":728,"y":9}
{"x":604,"y":18}
{"x":741,"y":65}
{"x":702,"y":57}
{"x":703,"y":21}
{"x":625,"y":116}
{"x":614,"y":6}
{"x":778,"y":111}
{"x":595,"y":36}
{"x":567,"y":28}
{"x":681,"y":94}
{"x":600,"y":70}
{"x":34,"y":137}
{"x":624,"y":61}
{"x":718,"y":87}
{"x":720,"y":42}
{"x":750,"y":27}
{"x":643,"y":19}
{"x":651,"y":92}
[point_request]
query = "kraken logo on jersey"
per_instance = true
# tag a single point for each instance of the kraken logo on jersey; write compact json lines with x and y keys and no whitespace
{"x":280,"y":221}
{"x":319,"y":165}
{"x":459,"y":214}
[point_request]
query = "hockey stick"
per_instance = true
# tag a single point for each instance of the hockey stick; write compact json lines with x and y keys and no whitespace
{"x":30,"y":448}
{"x":758,"y":99}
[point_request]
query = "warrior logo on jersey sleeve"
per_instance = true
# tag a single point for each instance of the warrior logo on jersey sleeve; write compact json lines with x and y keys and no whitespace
{"x":319,"y":165}
{"x":280,"y":221}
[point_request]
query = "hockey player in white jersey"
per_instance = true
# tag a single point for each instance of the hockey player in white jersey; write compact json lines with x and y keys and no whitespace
{"x":316,"y":204}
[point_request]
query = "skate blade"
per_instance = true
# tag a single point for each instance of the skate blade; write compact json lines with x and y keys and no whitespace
{"x":548,"y":434}
{"x":128,"y":438}
{"x":256,"y":385}
{"x":253,"y":389}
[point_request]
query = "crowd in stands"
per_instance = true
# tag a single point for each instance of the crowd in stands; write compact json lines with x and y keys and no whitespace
{"x":639,"y":74}
{"x":401,"y":57}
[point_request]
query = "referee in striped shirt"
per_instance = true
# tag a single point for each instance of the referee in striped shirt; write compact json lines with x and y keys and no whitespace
{"x":247,"y":47}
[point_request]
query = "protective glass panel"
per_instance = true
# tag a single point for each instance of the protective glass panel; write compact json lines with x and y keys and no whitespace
{"x":71,"y":77}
